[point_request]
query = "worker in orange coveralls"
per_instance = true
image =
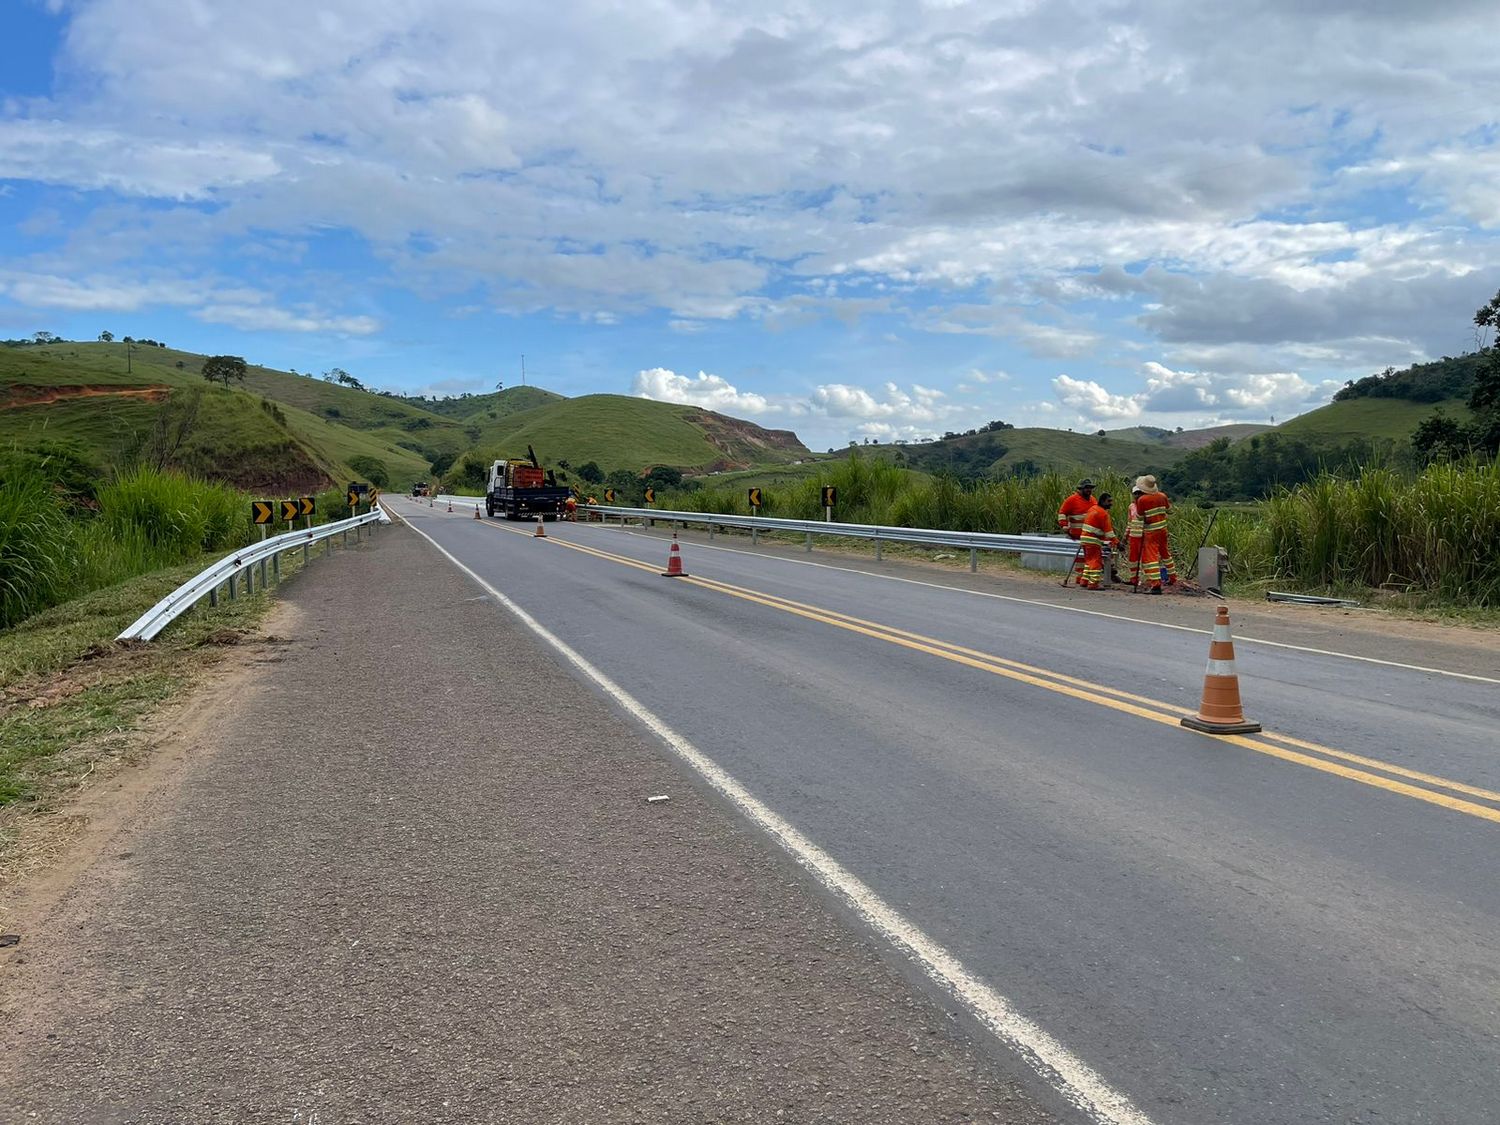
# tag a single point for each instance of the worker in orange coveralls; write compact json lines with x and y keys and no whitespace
{"x":1156,"y":553}
{"x":571,"y":506}
{"x":1135,"y":534}
{"x":1070,"y":518}
{"x":1097,"y":534}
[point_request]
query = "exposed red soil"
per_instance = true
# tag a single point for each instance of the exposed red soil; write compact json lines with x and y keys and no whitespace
{"x":33,"y":395}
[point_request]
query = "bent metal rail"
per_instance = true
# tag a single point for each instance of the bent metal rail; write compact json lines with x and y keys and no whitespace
{"x":228,"y":569}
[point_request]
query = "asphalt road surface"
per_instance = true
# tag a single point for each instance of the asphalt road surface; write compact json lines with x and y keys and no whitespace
{"x":399,"y":866}
{"x":1299,"y":927}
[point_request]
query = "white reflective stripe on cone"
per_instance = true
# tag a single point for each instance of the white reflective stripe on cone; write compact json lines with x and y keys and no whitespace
{"x":1220,"y":668}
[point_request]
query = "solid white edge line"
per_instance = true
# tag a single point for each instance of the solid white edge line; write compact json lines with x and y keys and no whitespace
{"x":1066,"y":1073}
{"x":1090,"y":612}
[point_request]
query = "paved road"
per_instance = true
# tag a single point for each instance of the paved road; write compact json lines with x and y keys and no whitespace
{"x":1296,"y":928}
{"x":448,"y":902}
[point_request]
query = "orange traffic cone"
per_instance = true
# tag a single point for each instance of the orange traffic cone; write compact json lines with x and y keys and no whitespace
{"x":540,"y":532}
{"x":476,"y":511}
{"x":1220,"y":712}
{"x":429,"y":501}
{"x":674,"y":561}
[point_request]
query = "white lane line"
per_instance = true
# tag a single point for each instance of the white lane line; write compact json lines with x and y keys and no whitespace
{"x":1089,"y":612}
{"x":1065,"y":1072}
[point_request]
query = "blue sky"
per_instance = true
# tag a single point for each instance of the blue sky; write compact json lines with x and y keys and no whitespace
{"x":851,"y":220}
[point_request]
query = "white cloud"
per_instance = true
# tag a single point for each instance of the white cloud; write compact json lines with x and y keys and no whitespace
{"x":267,"y":318}
{"x":708,"y":391}
{"x":1200,"y":397}
{"x":1092,"y":401}
{"x":787,"y":165}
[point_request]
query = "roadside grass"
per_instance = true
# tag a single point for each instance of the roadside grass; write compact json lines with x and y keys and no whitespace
{"x":72,"y":698}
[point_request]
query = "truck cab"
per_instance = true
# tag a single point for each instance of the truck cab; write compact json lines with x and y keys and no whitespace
{"x":520,"y":489}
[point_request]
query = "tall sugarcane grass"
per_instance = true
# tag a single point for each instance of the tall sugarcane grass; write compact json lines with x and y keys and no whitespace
{"x":1437,"y":534}
{"x":1434,"y":534}
{"x":146,"y":520}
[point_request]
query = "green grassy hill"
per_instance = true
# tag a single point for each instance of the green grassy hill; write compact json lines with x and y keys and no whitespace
{"x":497,"y":404}
{"x":1368,"y":419}
{"x":620,"y":432}
{"x":82,"y":394}
{"x":1189,"y":439}
{"x":1001,"y":452}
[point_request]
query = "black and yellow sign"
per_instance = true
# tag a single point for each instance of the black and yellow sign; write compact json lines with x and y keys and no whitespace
{"x":353,"y":499}
{"x":261,"y":511}
{"x":306,"y":505}
{"x":651,"y":496}
{"x":830,"y":495}
{"x":289,"y":510}
{"x":609,"y":495}
{"x":755,"y":498}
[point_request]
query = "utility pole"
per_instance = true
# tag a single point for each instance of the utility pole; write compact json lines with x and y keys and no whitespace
{"x":127,"y":357}
{"x":523,"y":369}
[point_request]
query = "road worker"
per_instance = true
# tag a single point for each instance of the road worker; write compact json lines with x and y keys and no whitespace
{"x":1070,"y":518}
{"x":571,"y":505}
{"x":1098,"y":533}
{"x":1135,"y":533}
{"x":1156,"y":552}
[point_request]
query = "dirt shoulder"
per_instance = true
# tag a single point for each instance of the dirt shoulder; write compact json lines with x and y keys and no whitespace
{"x":361,"y":883}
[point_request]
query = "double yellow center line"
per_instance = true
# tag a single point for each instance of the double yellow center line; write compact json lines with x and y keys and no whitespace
{"x":1393,"y":778}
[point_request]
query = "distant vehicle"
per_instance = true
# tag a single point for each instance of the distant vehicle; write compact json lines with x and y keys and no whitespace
{"x":521,"y":489}
{"x":420,"y":488}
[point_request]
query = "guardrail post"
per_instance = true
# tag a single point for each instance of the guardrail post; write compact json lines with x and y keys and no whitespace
{"x":877,"y":548}
{"x":233,"y":578}
{"x":276,"y":567}
{"x":250,"y":580}
{"x":710,"y":532}
{"x":973,"y":560}
{"x":346,"y":537}
{"x":213,"y":596}
{"x":263,"y":582}
{"x":808,"y":546}
{"x":755,"y":537}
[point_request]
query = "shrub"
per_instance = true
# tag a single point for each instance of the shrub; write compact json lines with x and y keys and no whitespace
{"x":373,"y":469}
{"x":36,"y":546}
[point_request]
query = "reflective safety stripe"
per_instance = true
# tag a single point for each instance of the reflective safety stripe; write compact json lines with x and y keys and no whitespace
{"x":1220,"y":668}
{"x":1154,"y":519}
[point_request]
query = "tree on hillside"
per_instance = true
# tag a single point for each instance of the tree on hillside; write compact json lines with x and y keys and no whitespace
{"x":1440,"y":438}
{"x":591,"y":472}
{"x":46,"y":338}
{"x":223,"y":368}
{"x":175,"y":421}
{"x":106,"y":337}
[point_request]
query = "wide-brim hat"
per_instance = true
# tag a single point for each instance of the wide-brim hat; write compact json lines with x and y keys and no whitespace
{"x":1144,"y":484}
{"x":1085,"y":483}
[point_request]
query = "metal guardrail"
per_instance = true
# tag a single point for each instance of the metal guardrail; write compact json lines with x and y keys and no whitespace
{"x":228,"y":570}
{"x":959,"y":540}
{"x":971,"y":541}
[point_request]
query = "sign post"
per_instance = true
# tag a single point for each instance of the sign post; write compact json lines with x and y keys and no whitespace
{"x":830,"y":497}
{"x":306,"y":505}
